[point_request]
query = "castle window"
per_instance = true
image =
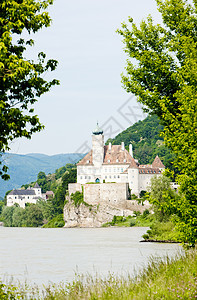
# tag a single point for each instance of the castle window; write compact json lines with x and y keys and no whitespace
{"x":81,"y":177}
{"x":85,"y":177}
{"x":89,"y":177}
{"x":109,"y":176}
{"x":118,"y":176}
{"x":121,"y":169}
{"x":114,"y":176}
{"x":88,"y":161}
{"x":117,"y":160}
{"x":108,"y":160}
{"x":105,"y":177}
{"x":118,"y":169}
{"x":105,"y":170}
{"x":114,"y":170}
{"x":125,"y":160}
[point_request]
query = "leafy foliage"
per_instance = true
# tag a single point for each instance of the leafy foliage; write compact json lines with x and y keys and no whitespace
{"x":163,"y":231}
{"x":56,"y":222}
{"x":43,"y":211}
{"x":15,"y":216}
{"x":165,"y":82}
{"x":161,"y":196}
{"x":146,"y":141}
{"x":60,"y":195}
{"x":21,"y":80}
{"x":77,"y":199}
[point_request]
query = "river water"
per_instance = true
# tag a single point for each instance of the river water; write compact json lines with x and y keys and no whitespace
{"x":40,"y":256}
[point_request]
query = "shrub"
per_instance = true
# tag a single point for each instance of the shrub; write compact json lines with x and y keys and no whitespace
{"x":132,"y":223}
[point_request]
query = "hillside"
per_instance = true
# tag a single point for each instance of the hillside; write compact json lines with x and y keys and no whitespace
{"x":144,"y":136}
{"x":147,"y":143}
{"x":25,"y":168}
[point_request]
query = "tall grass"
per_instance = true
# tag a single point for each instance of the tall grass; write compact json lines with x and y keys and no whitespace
{"x":162,"y":279}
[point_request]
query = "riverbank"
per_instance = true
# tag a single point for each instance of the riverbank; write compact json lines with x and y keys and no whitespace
{"x":162,"y":279}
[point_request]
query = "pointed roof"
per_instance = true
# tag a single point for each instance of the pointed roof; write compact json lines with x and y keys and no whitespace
{"x":97,"y":130}
{"x":133,"y":164}
{"x":116,"y":155}
{"x":36,"y":186}
{"x":157,"y":163}
{"x":87,"y":160}
{"x":112,"y":156}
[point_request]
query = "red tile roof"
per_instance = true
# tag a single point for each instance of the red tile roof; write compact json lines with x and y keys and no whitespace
{"x":116,"y":155}
{"x":149,"y":170}
{"x":87,"y":160}
{"x":157,"y":163}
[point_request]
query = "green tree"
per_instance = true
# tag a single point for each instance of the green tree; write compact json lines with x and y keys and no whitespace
{"x":21,"y":80}
{"x":47,"y":209}
{"x":59,"y":199}
{"x":165,"y":82}
{"x":1,"y":206}
{"x":42,"y":181}
{"x":7,"y":214}
{"x":161,"y":196}
{"x":18,"y":217}
{"x":33,"y":216}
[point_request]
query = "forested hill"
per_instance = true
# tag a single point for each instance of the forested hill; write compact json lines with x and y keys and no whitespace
{"x":147,"y":143}
{"x":25,"y":168}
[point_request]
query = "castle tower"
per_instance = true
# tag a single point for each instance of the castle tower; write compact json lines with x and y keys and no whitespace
{"x":37,"y":190}
{"x":97,"y":147}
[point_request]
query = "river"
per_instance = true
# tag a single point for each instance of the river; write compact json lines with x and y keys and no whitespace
{"x":40,"y":256}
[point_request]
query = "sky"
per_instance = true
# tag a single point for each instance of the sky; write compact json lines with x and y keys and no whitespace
{"x":83,"y":39}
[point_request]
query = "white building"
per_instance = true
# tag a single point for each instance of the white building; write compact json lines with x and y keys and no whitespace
{"x":113,"y":163}
{"x":21,"y":196}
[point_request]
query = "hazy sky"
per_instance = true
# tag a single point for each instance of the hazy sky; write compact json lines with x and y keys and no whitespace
{"x":82,"y":38}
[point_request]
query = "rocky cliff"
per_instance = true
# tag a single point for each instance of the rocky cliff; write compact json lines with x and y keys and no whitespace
{"x":91,"y":216}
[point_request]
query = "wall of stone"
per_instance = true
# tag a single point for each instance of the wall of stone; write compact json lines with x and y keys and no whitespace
{"x":74,"y":187}
{"x":111,"y":194}
{"x":92,"y":194}
{"x":114,"y":194}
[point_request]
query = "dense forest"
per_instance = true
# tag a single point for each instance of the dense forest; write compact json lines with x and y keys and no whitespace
{"x":146,"y":140}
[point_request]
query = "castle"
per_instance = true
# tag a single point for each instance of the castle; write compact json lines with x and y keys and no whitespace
{"x":114,"y":164}
{"x":30,"y":195}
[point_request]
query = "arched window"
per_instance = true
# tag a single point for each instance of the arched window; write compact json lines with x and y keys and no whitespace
{"x":97,"y":180}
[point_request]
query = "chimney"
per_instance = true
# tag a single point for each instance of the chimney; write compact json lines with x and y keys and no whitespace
{"x":109,"y":146}
{"x":131,"y":150}
{"x":122,"y":146}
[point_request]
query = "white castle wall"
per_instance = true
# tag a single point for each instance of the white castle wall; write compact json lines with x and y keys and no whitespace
{"x":12,"y":199}
{"x":106,"y":173}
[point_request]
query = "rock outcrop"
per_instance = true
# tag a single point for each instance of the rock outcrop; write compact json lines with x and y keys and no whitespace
{"x":91,"y":216}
